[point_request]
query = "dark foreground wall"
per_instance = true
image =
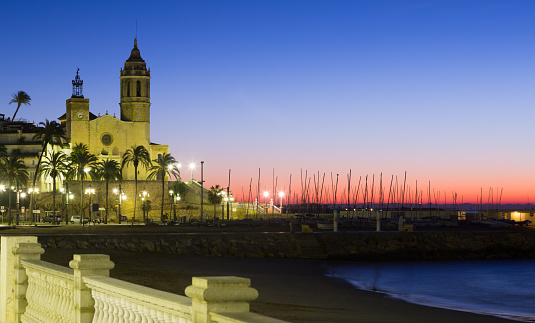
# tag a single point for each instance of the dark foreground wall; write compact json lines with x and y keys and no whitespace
{"x":343,"y":246}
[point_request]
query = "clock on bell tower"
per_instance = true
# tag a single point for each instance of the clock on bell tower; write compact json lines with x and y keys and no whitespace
{"x":77,"y":110}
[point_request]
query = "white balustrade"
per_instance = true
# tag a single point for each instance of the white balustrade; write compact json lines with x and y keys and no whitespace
{"x":50,"y":292}
{"x":42,"y":292}
{"x":120,"y":301}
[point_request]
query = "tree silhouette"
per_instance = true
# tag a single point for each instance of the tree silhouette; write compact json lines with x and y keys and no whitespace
{"x":136,"y":155}
{"x":19,"y":98}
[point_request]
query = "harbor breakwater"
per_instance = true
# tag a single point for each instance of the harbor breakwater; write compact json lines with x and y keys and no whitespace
{"x":365,"y":246}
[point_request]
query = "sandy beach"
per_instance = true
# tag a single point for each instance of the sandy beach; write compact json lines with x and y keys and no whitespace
{"x":294,"y":290}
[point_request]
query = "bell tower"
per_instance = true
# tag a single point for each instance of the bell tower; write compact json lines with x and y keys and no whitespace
{"x":135,"y":89}
{"x":77,"y":116}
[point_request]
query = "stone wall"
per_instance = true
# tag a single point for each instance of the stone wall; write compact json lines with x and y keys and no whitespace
{"x":339,"y":246}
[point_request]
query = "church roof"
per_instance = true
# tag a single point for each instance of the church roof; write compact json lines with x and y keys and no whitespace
{"x":135,"y":55}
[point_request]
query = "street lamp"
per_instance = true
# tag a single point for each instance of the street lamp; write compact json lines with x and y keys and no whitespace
{"x":122,"y":197}
{"x":202,"y":188}
{"x":228,"y":199}
{"x":18,"y":203}
{"x":175,"y":197}
{"x":143,"y":195}
{"x":3,"y":189}
{"x":192,"y":167}
{"x":266,"y":194}
{"x":22,"y":195}
{"x":281,"y":195}
{"x":82,"y":213}
{"x":89,"y":191}
{"x":68,"y":196}
{"x":32,"y":191}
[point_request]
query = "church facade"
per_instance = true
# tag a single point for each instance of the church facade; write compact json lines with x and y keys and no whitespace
{"x":107,"y":136}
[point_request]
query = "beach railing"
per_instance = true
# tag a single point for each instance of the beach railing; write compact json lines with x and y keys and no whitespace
{"x":34,"y":291}
{"x":120,"y":301}
{"x":50,"y":293}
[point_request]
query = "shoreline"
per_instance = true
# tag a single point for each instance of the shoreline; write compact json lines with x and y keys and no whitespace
{"x":389,"y":295}
{"x":295,"y":290}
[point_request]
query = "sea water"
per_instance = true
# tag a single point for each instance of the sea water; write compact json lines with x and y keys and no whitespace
{"x":504,"y":288}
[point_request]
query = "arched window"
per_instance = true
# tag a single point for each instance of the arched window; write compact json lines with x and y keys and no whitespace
{"x":127,"y":88}
{"x":138,"y":88}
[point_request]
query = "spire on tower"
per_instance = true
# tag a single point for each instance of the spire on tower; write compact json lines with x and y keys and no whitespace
{"x":77,"y":86}
{"x":135,"y":55}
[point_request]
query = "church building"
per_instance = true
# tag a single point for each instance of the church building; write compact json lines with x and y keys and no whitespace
{"x":107,"y":136}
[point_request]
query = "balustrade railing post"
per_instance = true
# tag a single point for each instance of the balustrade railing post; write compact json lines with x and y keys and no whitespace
{"x":87,"y":265}
{"x":7,"y":272}
{"x":23,"y":251}
{"x":219,"y":294}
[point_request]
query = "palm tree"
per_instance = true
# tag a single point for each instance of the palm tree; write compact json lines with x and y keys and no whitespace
{"x":134,"y":156}
{"x":53,"y":134}
{"x":55,"y":166}
{"x":3,"y":150}
{"x":13,"y":170}
{"x":163,"y":166}
{"x":108,"y":170}
{"x":82,"y":163}
{"x":214,"y":196}
{"x":19,"y":98}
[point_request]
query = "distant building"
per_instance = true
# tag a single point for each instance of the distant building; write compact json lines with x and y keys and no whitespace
{"x":18,"y":136}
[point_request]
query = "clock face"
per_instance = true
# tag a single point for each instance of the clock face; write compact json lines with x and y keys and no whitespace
{"x":80,"y":115}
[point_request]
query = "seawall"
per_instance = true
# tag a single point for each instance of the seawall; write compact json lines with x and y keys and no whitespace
{"x":336,"y":246}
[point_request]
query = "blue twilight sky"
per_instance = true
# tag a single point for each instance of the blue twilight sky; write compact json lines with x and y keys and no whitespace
{"x":440,"y":89}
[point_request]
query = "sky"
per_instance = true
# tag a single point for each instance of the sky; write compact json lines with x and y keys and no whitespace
{"x":439,"y":90}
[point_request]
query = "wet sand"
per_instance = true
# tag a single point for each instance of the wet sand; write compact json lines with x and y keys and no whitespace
{"x":295,"y":290}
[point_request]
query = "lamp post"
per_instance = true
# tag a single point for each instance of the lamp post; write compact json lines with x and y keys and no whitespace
{"x":202,"y":188}
{"x":229,"y":199}
{"x":18,"y":202}
{"x":89,"y":191}
{"x":2,"y":189}
{"x":143,"y":195}
{"x":121,"y":197}
{"x":176,"y":198}
{"x":22,"y":195}
{"x":82,"y":213}
{"x":65,"y":191}
{"x":281,"y":195}
{"x":68,"y":196}
{"x":32,"y":191}
{"x":192,"y":167}
{"x":266,"y":194}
